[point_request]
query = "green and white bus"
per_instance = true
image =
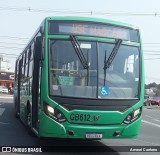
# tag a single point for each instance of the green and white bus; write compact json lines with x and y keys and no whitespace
{"x":81,"y":77}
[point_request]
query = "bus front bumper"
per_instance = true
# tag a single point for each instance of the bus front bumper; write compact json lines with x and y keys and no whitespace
{"x":50,"y":128}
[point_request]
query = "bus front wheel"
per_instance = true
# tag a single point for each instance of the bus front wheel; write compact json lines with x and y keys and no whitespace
{"x":30,"y":132}
{"x":16,"y":108}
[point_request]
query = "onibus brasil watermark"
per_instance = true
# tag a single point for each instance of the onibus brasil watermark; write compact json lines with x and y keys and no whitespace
{"x":21,"y":149}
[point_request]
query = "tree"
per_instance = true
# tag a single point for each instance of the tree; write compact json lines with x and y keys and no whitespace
{"x":155,"y":88}
{"x":157,"y":92}
{"x":153,"y":85}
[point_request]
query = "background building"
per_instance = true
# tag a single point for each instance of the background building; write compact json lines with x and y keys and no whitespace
{"x":6,"y":75}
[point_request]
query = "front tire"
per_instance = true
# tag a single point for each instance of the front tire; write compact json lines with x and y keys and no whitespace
{"x":16,"y":110}
{"x":29,"y":129}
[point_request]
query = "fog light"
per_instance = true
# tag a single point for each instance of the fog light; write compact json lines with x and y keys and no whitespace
{"x":129,"y":117}
{"x":59,"y":115}
{"x":71,"y":132}
{"x":116,"y":133}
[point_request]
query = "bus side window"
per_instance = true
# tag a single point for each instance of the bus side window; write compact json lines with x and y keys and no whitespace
{"x":22,"y":68}
{"x":30,"y":60}
{"x":26,"y":64}
{"x":16,"y":70}
{"x":30,"y":72}
{"x":32,"y":49}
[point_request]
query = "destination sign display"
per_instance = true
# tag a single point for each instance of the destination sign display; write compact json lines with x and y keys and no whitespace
{"x":92,"y":29}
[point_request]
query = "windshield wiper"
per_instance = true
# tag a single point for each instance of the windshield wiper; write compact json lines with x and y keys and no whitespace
{"x":111,"y":57}
{"x":79,"y":51}
{"x":113,"y":54}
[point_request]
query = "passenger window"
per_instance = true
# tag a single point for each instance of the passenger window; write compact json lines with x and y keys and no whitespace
{"x":31,"y":51}
{"x":30,"y":65}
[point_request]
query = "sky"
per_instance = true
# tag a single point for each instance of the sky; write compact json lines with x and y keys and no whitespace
{"x":19,"y":19}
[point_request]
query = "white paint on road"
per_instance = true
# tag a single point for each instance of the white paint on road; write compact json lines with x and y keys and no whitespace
{"x":157,"y":120}
{"x":149,"y":116}
{"x":2,"y":111}
{"x":156,"y":109}
{"x":6,"y":97}
{"x":144,"y":142}
{"x":150,"y":123}
{"x":4,"y":123}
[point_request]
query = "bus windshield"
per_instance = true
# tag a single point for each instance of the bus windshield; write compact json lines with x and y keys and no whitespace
{"x":69,"y":78}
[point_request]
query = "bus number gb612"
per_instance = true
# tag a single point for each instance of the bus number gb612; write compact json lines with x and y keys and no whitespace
{"x":80,"y":117}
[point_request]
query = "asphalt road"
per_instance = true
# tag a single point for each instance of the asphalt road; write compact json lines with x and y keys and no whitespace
{"x":14,"y":133}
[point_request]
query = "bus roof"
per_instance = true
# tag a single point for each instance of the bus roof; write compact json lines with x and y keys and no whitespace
{"x":80,"y":18}
{"x":91,"y":19}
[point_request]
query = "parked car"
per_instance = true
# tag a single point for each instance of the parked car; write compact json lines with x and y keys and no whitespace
{"x":4,"y":90}
{"x":155,"y":101}
{"x":1,"y":87}
{"x":147,"y":101}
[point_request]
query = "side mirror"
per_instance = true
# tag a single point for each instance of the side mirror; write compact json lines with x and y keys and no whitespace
{"x":38,"y":48}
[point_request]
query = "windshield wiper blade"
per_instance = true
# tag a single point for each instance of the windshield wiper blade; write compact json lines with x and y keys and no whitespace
{"x":112,"y":55}
{"x":79,"y":51}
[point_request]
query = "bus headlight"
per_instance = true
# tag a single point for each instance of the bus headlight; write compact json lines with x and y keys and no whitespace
{"x":50,"y":110}
{"x":136,"y":112}
{"x":54,"y":113}
{"x":133,"y":116}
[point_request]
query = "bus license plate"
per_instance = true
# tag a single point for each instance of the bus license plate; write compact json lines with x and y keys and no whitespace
{"x":93,"y":135}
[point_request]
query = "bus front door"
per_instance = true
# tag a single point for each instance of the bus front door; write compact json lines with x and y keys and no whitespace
{"x":36,"y":82}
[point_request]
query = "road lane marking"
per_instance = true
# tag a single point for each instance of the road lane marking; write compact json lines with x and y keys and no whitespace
{"x":4,"y":123}
{"x":4,"y":97}
{"x":150,"y":123}
{"x":156,"y":109}
{"x":150,"y":143}
{"x":2,"y":111}
{"x":149,"y":116}
{"x":157,"y":120}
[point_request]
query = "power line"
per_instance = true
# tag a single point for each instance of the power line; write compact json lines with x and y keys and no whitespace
{"x":12,"y":43}
{"x":151,"y":51}
{"x":152,"y":46}
{"x":24,"y":38}
{"x":13,"y":48}
{"x":12,"y":37}
{"x":152,"y":59}
{"x":9,"y":54}
{"x":13,"y":57}
{"x":120,"y":13}
{"x":153,"y":54}
{"x":151,"y":43}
